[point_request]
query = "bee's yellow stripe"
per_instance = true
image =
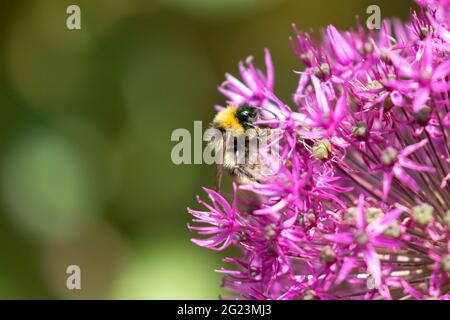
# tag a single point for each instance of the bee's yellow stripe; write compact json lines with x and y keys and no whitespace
{"x":226,"y":119}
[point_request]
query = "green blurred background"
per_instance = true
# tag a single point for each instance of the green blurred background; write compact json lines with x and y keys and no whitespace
{"x":85,"y":123}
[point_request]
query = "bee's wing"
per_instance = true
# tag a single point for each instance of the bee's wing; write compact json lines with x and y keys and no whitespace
{"x":257,"y":169}
{"x":219,"y":164}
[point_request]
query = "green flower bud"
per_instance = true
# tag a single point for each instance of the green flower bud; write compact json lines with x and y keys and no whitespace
{"x":254,"y":272}
{"x":368,"y":47}
{"x":393,"y":230}
{"x":307,"y":57}
{"x":317,"y":72}
{"x":270,"y":231}
{"x":325,"y":67}
{"x":322,"y":71}
{"x":327,"y":255}
{"x":300,"y":220}
{"x":425,"y":31}
{"x":373,"y":213}
{"x":423,"y":115}
{"x":389,"y":156}
{"x":375,"y":84}
{"x":361,"y":237}
{"x":350,"y":215}
{"x":309,"y":295}
{"x":359,"y":130}
{"x":322,"y":149}
{"x":388,"y":104}
{"x":423,"y":214}
{"x":311,"y":217}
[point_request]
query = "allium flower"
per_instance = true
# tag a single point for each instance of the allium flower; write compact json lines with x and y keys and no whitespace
{"x":251,"y":90}
{"x":222,"y":221}
{"x":358,"y":205}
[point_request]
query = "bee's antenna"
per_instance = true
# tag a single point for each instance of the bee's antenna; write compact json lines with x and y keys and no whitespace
{"x":271,"y":112}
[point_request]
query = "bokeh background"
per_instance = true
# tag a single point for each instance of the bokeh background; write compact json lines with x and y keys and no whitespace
{"x":85,"y":123}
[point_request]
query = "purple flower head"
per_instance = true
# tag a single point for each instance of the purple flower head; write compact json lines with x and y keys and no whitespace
{"x":253,"y":86}
{"x":356,"y":204}
{"x":219,"y":222}
{"x":342,"y":49}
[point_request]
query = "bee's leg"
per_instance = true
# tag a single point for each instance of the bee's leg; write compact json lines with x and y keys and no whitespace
{"x":240,"y":170}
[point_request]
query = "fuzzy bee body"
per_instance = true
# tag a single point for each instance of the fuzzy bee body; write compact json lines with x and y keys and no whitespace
{"x":239,"y":143}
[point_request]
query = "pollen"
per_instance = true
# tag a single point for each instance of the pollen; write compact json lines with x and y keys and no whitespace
{"x":226,"y":119}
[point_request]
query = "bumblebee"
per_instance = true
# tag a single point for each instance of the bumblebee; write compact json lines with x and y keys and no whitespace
{"x":239,"y":134}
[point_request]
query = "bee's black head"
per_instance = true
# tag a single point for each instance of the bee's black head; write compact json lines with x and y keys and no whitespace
{"x":247,"y":116}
